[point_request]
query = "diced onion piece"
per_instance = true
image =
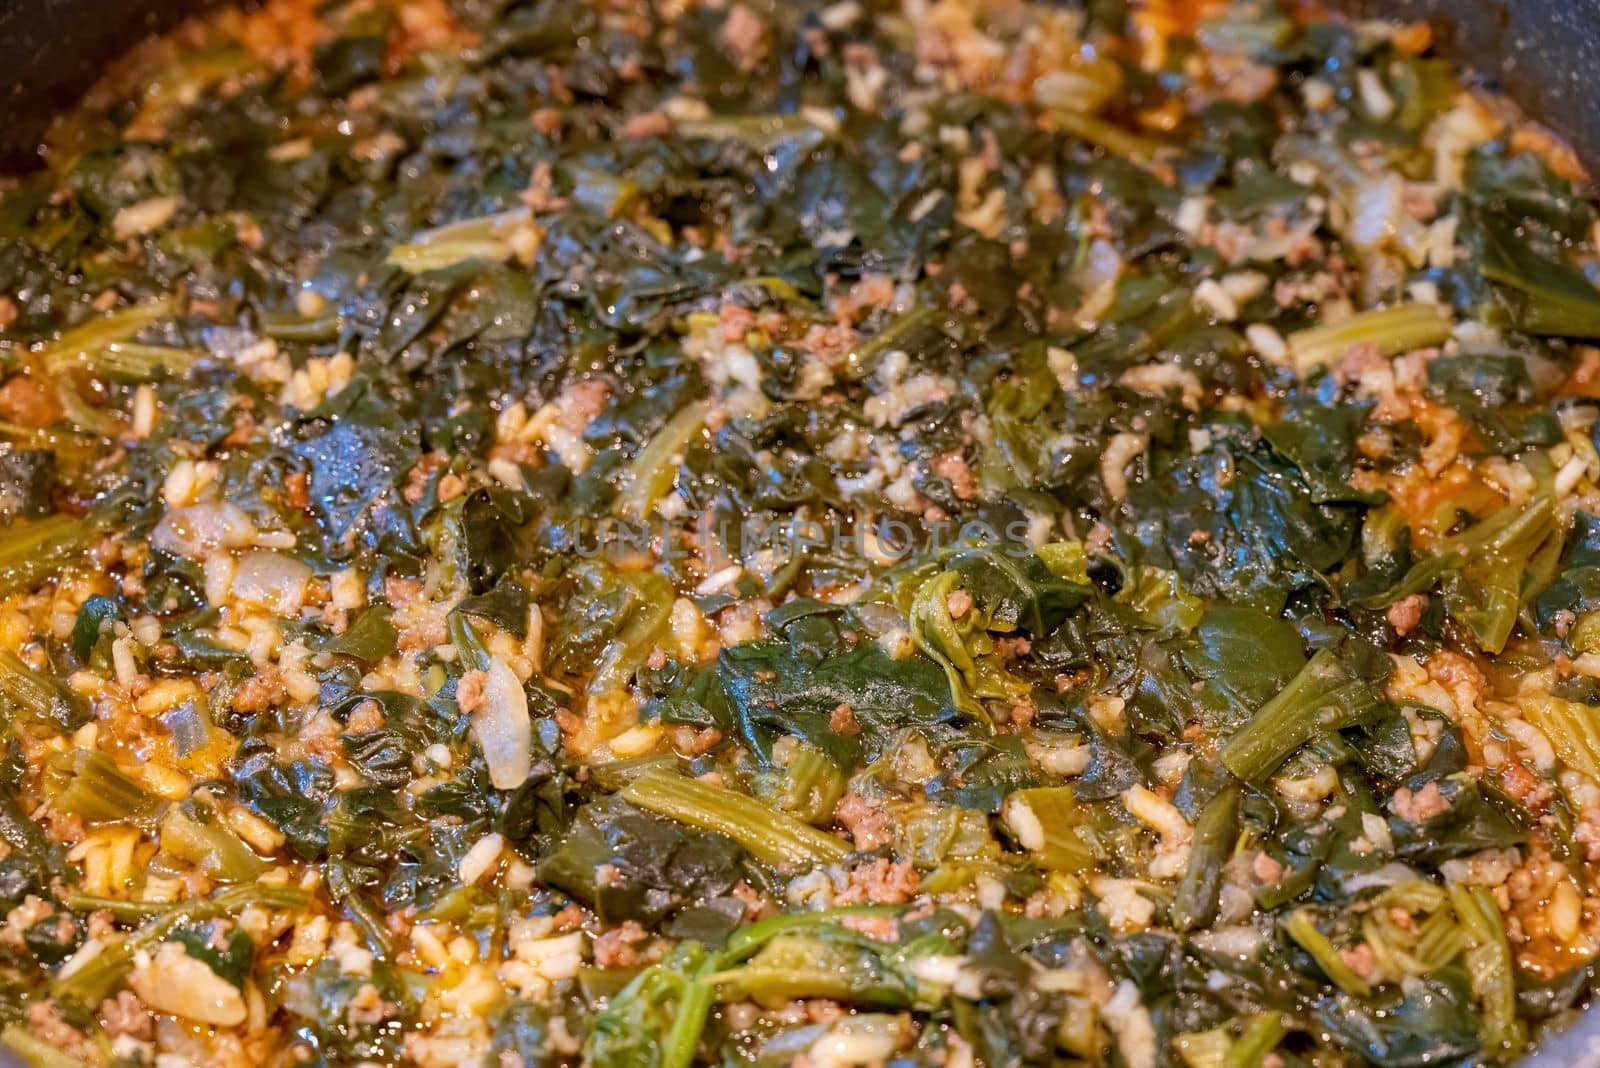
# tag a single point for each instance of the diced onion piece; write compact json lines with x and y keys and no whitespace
{"x":1096,"y":278}
{"x":866,"y":1038}
{"x":503,"y":727}
{"x":180,"y":984}
{"x":271,"y":581}
{"x":145,"y":217}
{"x":480,"y":859}
{"x":201,"y":530}
{"x":1377,"y":212}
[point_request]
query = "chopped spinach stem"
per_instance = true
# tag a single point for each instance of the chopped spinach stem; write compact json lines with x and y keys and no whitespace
{"x":769,"y":835}
{"x":1391,"y":331}
{"x":1303,"y":929}
{"x":38,"y":696}
{"x":1216,"y":832}
{"x":1261,"y":1035}
{"x":36,"y":1052}
{"x":1488,"y":960}
{"x":1321,"y":699}
{"x":96,"y":791}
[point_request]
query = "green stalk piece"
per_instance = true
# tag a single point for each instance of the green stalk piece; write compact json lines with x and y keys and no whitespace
{"x":771,"y":836}
{"x":38,"y":696}
{"x":1215,"y":832}
{"x":1303,"y":930}
{"x":1490,"y":964}
{"x":97,"y":978}
{"x":1321,"y":699}
{"x":1395,"y":330}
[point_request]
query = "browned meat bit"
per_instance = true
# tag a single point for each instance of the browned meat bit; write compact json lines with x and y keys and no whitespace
{"x":1044,"y":903}
{"x":401,"y":591}
{"x":46,"y":1022}
{"x":1267,"y":869}
{"x":1534,"y":793}
{"x":368,"y":716}
{"x":541,"y":195}
{"x":843,"y":721}
{"x":693,"y":741}
{"x":244,"y":426}
{"x":261,"y":691}
{"x":755,"y":906}
{"x":744,"y":33}
{"x":1422,"y":805}
{"x":953,"y":467}
{"x":24,"y":400}
{"x":1587,"y":834}
{"x":101,"y":924}
{"x":297,"y":490}
{"x":619,"y":947}
{"x":1361,"y":960}
{"x":451,"y":486}
{"x":736,"y":322}
{"x":126,"y":1015}
{"x":547,"y":121}
{"x":582,"y":402}
{"x":868,"y":294}
{"x":869,"y":827}
{"x":1585,"y":374}
{"x":368,"y":1007}
{"x":881,"y":882}
{"x":571,"y":723}
{"x":1013,"y":646}
{"x":830,"y":344}
{"x":647,"y":124}
{"x":470,"y":690}
{"x":63,"y":825}
{"x":1360,"y":358}
{"x":1404,"y":615}
{"x":417,"y":478}
{"x":1453,"y":669}
{"x":424,"y":27}
{"x":881,"y":928}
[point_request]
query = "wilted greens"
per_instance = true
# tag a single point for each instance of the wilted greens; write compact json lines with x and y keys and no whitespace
{"x":745,"y":534}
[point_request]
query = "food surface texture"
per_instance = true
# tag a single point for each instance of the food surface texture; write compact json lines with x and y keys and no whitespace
{"x":894,"y":533}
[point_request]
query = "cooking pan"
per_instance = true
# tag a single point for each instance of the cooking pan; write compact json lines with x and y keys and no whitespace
{"x":1545,"y":54}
